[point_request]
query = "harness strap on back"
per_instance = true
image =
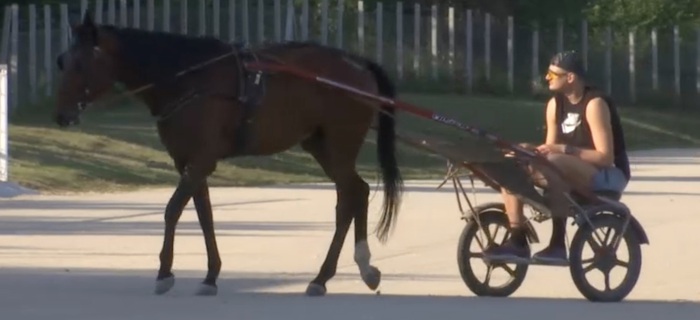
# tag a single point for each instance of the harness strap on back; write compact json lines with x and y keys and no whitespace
{"x":251,"y":89}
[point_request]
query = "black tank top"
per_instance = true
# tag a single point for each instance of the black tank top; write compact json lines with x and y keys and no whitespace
{"x":573,"y":129}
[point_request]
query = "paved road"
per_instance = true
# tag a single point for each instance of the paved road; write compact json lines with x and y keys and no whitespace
{"x":94,"y":256}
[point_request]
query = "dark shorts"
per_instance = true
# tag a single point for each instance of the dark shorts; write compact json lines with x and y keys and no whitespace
{"x":609,"y":179}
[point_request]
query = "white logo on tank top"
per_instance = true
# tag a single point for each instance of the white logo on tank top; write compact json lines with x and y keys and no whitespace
{"x":571,"y":122}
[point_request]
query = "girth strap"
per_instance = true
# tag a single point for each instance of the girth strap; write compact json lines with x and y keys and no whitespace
{"x":251,"y":90}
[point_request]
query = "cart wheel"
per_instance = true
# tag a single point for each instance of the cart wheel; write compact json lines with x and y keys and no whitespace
{"x":605,"y":258}
{"x":495,"y":223}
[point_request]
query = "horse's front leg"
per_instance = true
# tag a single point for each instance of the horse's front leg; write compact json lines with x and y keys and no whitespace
{"x":206,"y":221}
{"x":190,"y":181}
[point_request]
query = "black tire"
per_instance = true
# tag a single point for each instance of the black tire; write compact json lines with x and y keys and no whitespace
{"x":487,"y":215}
{"x":578,"y":273}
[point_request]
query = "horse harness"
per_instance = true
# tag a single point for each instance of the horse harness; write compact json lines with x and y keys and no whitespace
{"x":251,"y":90}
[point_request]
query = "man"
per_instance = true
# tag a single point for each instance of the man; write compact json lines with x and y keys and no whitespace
{"x":584,"y":141}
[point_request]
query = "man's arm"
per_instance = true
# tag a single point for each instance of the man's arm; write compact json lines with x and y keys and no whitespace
{"x":551,"y":120}
{"x":598,"y":116}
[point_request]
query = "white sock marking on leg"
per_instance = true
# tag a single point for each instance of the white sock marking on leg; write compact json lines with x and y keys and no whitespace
{"x":362,"y":256}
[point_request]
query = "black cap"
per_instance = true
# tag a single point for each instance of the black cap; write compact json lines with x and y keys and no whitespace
{"x":570,"y":61}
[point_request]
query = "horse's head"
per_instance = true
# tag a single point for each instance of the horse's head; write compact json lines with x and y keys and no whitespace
{"x":86,"y":73}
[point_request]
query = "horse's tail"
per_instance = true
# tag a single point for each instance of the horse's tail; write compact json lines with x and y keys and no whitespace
{"x":386,"y":152}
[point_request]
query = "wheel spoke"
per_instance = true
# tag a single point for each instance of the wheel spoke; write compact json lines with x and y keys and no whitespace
{"x":607,"y":281}
{"x":476,"y":254}
{"x":495,"y":232}
{"x":489,"y":269}
{"x":508,"y":269}
{"x":606,"y":237}
{"x":589,"y":260}
{"x":481,"y":244}
{"x":594,"y":245}
{"x":621,"y":263}
{"x":589,"y":268}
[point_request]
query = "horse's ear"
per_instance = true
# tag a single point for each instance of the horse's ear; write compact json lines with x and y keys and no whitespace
{"x":89,"y":29}
{"x":88,"y":21}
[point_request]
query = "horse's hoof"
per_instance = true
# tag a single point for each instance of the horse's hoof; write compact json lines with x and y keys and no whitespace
{"x":207,"y":290}
{"x":372,"y":277}
{"x":164,"y":285}
{"x":315,"y":290}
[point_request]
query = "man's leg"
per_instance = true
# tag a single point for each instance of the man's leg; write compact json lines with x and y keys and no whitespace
{"x":577,"y":172}
{"x":515,"y":246}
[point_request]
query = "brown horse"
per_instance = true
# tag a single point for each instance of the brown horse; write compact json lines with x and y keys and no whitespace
{"x":217,"y":109}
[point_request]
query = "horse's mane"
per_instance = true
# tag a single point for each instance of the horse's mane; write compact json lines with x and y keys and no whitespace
{"x":160,"y":54}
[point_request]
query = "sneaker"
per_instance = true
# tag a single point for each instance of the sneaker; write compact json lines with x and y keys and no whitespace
{"x":508,"y":252}
{"x":553,"y":255}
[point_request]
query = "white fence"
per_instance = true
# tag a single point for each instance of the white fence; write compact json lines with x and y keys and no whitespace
{"x":424,"y":48}
{"x":4,"y":130}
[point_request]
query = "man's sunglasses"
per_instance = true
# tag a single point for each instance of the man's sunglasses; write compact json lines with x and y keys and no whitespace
{"x":554,"y":75}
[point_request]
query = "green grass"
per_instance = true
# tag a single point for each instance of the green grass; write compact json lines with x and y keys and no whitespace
{"x":118,"y":149}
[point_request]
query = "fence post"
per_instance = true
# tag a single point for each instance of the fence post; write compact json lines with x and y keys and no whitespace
{"x":136,"y":19}
{"x":451,"y":41}
{"x":511,"y":41}
{"x":278,"y":21}
{"x":48,"y":49}
{"x":416,"y":39}
{"x":99,"y":5}
{"x":584,"y":43}
{"x":83,"y":7}
{"x":433,"y":40}
{"x":535,"y":70}
{"x":123,"y":10}
{"x":111,"y":12}
{"x":261,"y":21}
{"x":305,"y":20}
{"x":324,"y":22}
{"x":697,"y":59}
{"x":4,"y":132}
{"x":231,"y":20}
{"x":608,"y":60}
{"x":202,"y":18}
{"x":150,"y":15}
{"x":184,"y":17}
{"x":360,"y":27}
{"x":560,"y":34}
{"x":32,"y":54}
{"x":13,"y":96}
{"x":487,"y":46}
{"x":654,"y":60}
{"x":632,"y":68}
{"x":677,"y":63}
{"x":399,"y":40}
{"x":469,"y":56}
{"x":166,"y":15}
{"x":216,"y":18}
{"x":380,"y":31}
{"x":339,"y":23}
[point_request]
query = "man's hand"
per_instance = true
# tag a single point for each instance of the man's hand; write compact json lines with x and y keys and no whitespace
{"x":546,"y":149}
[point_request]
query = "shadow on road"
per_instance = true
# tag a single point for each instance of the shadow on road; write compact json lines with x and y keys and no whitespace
{"x":118,"y":294}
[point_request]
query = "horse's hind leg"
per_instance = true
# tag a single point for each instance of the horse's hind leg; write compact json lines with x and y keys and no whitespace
{"x":337,"y":158}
